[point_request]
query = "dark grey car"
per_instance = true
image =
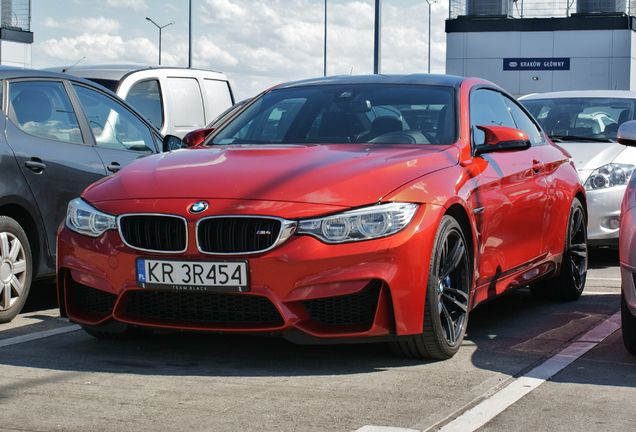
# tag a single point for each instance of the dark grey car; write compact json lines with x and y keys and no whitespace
{"x":61,"y":134}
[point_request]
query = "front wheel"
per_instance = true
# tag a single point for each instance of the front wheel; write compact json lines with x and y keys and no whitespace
{"x":447,"y":298}
{"x":569,"y":284}
{"x":15,"y":268}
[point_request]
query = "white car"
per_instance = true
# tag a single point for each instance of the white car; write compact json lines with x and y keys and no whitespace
{"x":585,"y":124}
{"x":175,"y":100}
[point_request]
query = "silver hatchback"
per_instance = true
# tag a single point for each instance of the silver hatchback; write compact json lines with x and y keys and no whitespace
{"x":585,"y":124}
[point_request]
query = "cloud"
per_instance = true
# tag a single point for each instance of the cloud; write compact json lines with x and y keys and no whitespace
{"x":284,"y":40}
{"x":99,"y":25}
{"x":134,"y":4}
{"x":100,"y":49}
{"x":260,"y":44}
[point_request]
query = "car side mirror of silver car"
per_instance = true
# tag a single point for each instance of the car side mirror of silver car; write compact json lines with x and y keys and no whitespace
{"x":626,"y":134}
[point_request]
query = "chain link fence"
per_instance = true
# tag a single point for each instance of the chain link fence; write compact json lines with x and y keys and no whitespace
{"x":15,"y":14}
{"x":539,"y":8}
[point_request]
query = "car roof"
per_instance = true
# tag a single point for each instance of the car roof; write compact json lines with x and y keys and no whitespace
{"x":620,"y":94}
{"x":118,"y":72}
{"x":422,"y":79}
{"x":7,"y":72}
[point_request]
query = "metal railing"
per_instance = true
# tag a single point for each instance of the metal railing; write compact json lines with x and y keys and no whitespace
{"x":15,"y":14}
{"x":538,"y":8}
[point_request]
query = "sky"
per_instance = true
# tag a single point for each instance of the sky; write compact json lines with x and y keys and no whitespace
{"x":256,"y":43}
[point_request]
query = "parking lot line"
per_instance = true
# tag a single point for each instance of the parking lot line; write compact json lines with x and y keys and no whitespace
{"x":39,"y":335}
{"x":487,"y":410}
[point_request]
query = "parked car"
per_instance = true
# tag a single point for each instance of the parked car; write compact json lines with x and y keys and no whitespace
{"x":585,"y":124}
{"x":61,"y":133}
{"x":627,"y":248}
{"x":175,"y":100}
{"x":378,"y":207}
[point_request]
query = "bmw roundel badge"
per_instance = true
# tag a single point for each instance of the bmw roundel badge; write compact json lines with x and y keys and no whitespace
{"x":198,"y":207}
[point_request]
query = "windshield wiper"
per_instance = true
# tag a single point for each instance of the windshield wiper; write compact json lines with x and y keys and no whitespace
{"x":563,"y":138}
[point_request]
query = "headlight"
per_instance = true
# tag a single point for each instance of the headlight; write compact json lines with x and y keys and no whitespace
{"x":362,"y":224}
{"x":608,"y":176}
{"x":85,"y":219}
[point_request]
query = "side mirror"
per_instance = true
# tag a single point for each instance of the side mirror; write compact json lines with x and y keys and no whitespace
{"x":502,"y":138}
{"x":197,"y":136}
{"x":626,"y":134}
{"x":171,"y":142}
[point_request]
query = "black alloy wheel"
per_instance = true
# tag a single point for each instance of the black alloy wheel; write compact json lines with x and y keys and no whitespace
{"x":447,"y":298}
{"x":570,"y":282}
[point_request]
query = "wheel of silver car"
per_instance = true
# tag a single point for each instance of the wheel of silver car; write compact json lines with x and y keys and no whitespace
{"x":570,"y":283}
{"x":447,"y":298}
{"x":15,"y":268}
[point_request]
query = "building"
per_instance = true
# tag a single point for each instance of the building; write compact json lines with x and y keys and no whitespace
{"x":16,"y":38}
{"x":536,"y":46}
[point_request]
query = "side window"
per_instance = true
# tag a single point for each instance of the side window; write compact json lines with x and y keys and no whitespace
{"x":187,"y":102}
{"x":43,"y":109}
{"x":524,"y":122}
{"x":219,"y":96}
{"x":145,"y":97}
{"x":114,"y":125}
{"x":487,"y":108}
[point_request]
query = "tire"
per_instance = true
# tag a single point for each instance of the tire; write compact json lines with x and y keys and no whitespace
{"x":447,"y":298}
{"x":570,"y":282}
{"x":118,"y":331}
{"x":16,"y":268}
{"x":628,"y":324}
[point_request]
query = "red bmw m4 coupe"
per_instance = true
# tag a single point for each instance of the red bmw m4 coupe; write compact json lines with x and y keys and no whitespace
{"x":331,"y":210}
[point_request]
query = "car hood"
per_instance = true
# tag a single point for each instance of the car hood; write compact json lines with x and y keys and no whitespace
{"x":589,"y":156}
{"x":337,"y":174}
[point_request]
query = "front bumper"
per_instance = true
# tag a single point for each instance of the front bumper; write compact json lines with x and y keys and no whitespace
{"x":368,"y":289}
{"x":627,"y":254}
{"x":604,"y":206}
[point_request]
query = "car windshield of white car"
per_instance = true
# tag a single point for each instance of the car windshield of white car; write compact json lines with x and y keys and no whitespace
{"x":581,"y":119}
{"x":362,"y":113}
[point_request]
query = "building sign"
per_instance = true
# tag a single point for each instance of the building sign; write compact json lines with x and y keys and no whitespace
{"x":535,"y":64}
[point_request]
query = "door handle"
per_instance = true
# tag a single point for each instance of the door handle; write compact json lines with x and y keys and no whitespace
{"x":113,"y":167}
{"x":537,"y":166}
{"x":36,"y":165}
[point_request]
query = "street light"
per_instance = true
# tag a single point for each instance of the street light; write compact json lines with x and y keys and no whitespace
{"x":325,"y":62}
{"x":377,"y":37}
{"x":159,"y":27}
{"x":429,"y":33}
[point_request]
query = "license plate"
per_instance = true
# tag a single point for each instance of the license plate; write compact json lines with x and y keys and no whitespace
{"x":220,"y":276}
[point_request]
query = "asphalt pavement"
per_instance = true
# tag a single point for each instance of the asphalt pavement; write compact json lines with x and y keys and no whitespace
{"x":525,"y":365}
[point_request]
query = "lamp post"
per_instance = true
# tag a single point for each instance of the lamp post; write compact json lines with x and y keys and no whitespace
{"x":429,"y":33}
{"x":325,"y":38}
{"x":159,"y":27}
{"x":377,"y":39}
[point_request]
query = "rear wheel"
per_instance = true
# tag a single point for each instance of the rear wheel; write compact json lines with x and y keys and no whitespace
{"x":15,"y":268}
{"x":628,"y":324}
{"x":447,"y":298}
{"x":569,"y":284}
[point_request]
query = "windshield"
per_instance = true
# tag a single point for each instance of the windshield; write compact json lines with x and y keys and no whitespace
{"x":391,"y":114}
{"x":594,"y":119}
